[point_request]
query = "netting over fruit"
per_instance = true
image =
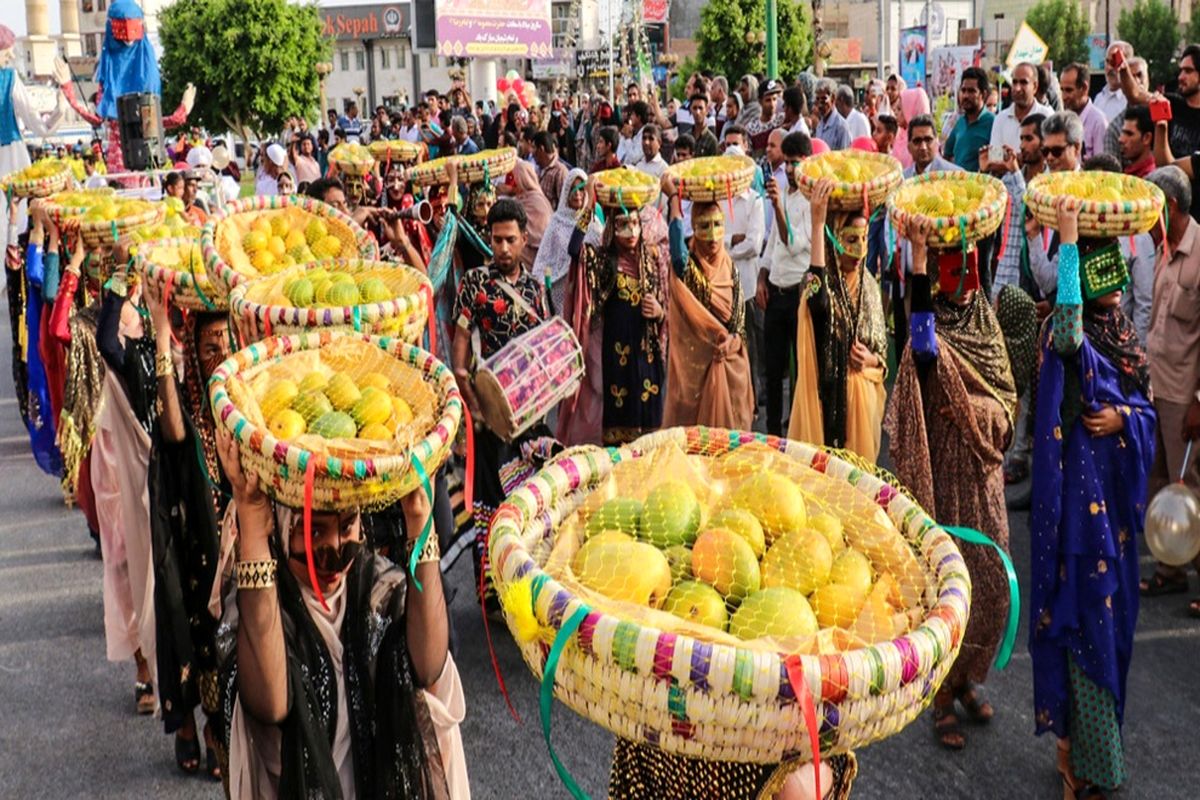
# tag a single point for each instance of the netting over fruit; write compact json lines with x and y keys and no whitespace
{"x":359,"y":407}
{"x":714,"y":178}
{"x":627,"y":188}
{"x":859,"y":177}
{"x":960,"y":205}
{"x":716,"y":572}
{"x":101,"y":216}
{"x":179,"y":263}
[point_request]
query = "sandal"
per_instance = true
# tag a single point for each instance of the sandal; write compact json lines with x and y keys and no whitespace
{"x":945,"y":726}
{"x":143,"y":696}
{"x":1194,"y":608}
{"x":978,"y":709}
{"x":187,"y":754}
{"x":1158,"y":585}
{"x":211,"y":765}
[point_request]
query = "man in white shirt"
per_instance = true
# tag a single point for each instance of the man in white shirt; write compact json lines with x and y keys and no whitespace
{"x":780,"y":278}
{"x":744,"y":231}
{"x":275,"y":163}
{"x":1006,"y":128}
{"x":410,"y":131}
{"x":856,"y":121}
{"x":652,"y":161}
{"x":1074,"y":82}
{"x":1110,"y":100}
{"x":773,"y":168}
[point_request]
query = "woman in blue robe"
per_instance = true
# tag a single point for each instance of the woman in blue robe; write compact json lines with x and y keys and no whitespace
{"x":1093,"y":448}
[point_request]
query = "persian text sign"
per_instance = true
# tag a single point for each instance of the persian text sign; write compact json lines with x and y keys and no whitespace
{"x":655,"y":10}
{"x":514,"y":28}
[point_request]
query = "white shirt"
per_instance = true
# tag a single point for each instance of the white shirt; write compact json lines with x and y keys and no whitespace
{"x":858,"y":124}
{"x":800,"y":126}
{"x":264,"y":184}
{"x":1006,"y":128}
{"x":780,"y":176}
{"x":1110,"y":102}
{"x":747,"y":220}
{"x":791,"y":255}
{"x":629,"y":151}
{"x":412,"y":134}
{"x":656,"y":166}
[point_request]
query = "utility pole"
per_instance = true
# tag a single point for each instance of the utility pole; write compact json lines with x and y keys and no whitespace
{"x":882,"y":39}
{"x":612,"y":97}
{"x":772,"y":41}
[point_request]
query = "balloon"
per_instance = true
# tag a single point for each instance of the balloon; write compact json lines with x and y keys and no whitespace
{"x":865,"y":144}
{"x":512,"y":75}
{"x":502,"y":85}
{"x":819,"y":146}
{"x":518,"y":86}
{"x":1173,"y":525}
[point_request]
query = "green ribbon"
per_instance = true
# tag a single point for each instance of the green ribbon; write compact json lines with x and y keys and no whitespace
{"x":972,"y":536}
{"x":837,"y":246}
{"x":547,"y":696}
{"x":621,"y":202}
{"x":208,"y":304}
{"x":420,"y":545}
{"x":356,"y":317}
{"x":962,"y":237}
{"x":116,"y":237}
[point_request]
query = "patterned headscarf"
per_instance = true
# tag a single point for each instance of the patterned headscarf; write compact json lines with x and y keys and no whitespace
{"x":1017,"y":315}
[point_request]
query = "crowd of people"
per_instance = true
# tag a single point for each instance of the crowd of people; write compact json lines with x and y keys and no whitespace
{"x":1076,"y":358}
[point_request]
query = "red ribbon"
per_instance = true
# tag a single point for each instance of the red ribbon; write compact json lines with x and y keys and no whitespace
{"x":867,"y":214}
{"x":267,"y":321}
{"x":487,"y":632}
{"x":469,"y":480}
{"x":795,"y":673}
{"x":309,"y":475}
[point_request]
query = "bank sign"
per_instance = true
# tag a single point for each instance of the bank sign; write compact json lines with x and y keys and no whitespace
{"x":355,"y":23}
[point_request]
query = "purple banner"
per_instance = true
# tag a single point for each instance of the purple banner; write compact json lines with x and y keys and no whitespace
{"x":512,"y":28}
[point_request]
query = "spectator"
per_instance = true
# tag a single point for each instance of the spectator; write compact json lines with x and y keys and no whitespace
{"x":1075,"y":82}
{"x":1110,"y":100}
{"x":733,"y":110}
{"x":856,"y":122}
{"x":1140,"y":72}
{"x":460,"y":135}
{"x":744,"y":232}
{"x":301,"y":156}
{"x":685,"y":148}
{"x":1033,"y":161}
{"x":883,"y":131}
{"x":770,"y":117}
{"x":652,"y":161}
{"x":1048,"y":90}
{"x":275,"y":163}
{"x":350,"y":123}
{"x":1137,"y":141}
{"x":606,"y":150}
{"x":795,"y":107}
{"x":173,"y":185}
{"x":636,"y":116}
{"x":973,"y":129}
{"x":831,"y":127}
{"x":1062,"y":140}
{"x":748,"y":91}
{"x":1006,"y":129}
{"x":525,"y":143}
{"x":706,"y":141}
{"x":718,"y":95}
{"x":923,"y":148}
{"x":552,"y":171}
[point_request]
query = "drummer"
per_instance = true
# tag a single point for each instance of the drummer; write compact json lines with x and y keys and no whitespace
{"x":498,"y":301}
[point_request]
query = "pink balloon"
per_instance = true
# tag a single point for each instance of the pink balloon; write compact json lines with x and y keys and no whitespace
{"x":819,"y":146}
{"x":502,"y":85}
{"x":864,"y":143}
{"x":518,"y":86}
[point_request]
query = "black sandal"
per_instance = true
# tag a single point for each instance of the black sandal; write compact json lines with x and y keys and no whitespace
{"x":210,"y":755}
{"x":1159,"y":585}
{"x":187,"y":754}
{"x":143,"y":697}
{"x":946,"y":728}
{"x":979,"y":710}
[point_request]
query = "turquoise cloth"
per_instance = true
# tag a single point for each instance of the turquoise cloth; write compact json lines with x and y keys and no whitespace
{"x":966,"y":139}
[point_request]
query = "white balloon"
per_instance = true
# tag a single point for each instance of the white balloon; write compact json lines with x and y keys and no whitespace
{"x":1173,"y":525}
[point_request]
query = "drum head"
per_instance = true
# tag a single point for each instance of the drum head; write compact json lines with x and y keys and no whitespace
{"x":497,"y":413}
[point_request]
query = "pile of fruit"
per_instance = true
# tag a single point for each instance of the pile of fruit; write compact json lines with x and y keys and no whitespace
{"x":471,"y":169}
{"x":38,"y":179}
{"x":97,"y":206}
{"x":714,"y":178}
{"x":844,"y":166}
{"x":321,"y":288}
{"x":265,"y":242}
{"x":628,"y":187}
{"x":178,"y":256}
{"x":332,"y":405}
{"x":352,"y":157}
{"x":948,"y":197}
{"x":394,"y":150}
{"x":1096,"y":187}
{"x":742,"y":552}
{"x":174,"y":224}
{"x":1112,"y":204}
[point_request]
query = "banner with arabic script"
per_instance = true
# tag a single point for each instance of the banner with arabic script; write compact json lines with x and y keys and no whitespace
{"x":512,"y":28}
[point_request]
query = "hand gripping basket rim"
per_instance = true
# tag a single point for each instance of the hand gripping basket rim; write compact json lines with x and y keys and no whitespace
{"x":848,"y":196}
{"x":290,"y":319}
{"x":183,"y":283}
{"x":981,"y":222}
{"x":470,"y":168}
{"x":724,"y":184}
{"x":397,"y":150}
{"x":686,"y":705}
{"x":1099,"y":219}
{"x":43,"y":186}
{"x":225,"y":277}
{"x":338,"y":483}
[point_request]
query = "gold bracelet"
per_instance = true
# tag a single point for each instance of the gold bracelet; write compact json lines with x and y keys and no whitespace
{"x":432,"y":551}
{"x":255,"y":574}
{"x":164,"y":366}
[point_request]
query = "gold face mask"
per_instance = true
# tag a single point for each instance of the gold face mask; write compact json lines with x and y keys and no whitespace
{"x":627,"y":226}
{"x":853,"y":239}
{"x":710,"y":226}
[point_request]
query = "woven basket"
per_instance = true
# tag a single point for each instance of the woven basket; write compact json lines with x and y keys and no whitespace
{"x":351,"y":166}
{"x":717,"y":185}
{"x":365,"y":477}
{"x":708,"y":698}
{"x":188,"y":289}
{"x":850,"y":196}
{"x":404,"y":315}
{"x":1099,"y":219}
{"x":96,"y":234}
{"x":227,"y":263}
{"x":38,"y":187}
{"x":471,"y":169}
{"x":947,"y":230}
{"x":398,"y":150}
{"x":631,"y":198}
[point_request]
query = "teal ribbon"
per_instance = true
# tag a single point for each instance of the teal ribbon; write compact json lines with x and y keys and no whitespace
{"x":972,"y":536}
{"x":621,"y":202}
{"x":116,"y":237}
{"x":356,"y":316}
{"x":208,"y":304}
{"x":833,"y":240}
{"x":962,"y":238}
{"x":420,"y":545}
{"x":547,"y":697}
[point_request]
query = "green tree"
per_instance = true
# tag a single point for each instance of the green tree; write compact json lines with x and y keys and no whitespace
{"x":722,"y":45}
{"x":1153,"y":30}
{"x":253,"y":61}
{"x":1063,"y":27}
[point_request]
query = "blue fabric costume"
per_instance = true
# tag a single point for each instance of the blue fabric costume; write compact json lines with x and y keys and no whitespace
{"x":125,"y":68}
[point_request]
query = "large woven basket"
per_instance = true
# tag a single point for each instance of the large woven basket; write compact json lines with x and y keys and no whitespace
{"x":402,"y":151}
{"x":709,"y":698}
{"x":1138,"y":213}
{"x":189,"y":289}
{"x":350,"y":165}
{"x":368,"y":478}
{"x":948,"y":231}
{"x":471,"y":169}
{"x":850,"y":196}
{"x":713,"y":179}
{"x":404,"y":314}
{"x":24,"y":186}
{"x":629,"y":196}
{"x":228,"y":266}
{"x":96,"y":234}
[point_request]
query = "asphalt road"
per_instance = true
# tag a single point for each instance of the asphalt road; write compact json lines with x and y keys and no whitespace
{"x":69,"y":730}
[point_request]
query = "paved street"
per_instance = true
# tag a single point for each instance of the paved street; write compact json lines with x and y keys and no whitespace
{"x":70,"y":731}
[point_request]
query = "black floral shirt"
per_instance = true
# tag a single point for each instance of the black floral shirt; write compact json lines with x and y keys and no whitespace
{"x":483,"y":305}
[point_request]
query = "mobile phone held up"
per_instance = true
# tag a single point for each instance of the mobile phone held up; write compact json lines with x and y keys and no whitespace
{"x":1118,"y":58}
{"x":1160,"y":110}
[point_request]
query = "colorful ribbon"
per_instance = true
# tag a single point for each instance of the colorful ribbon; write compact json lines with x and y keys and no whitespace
{"x":487,"y":633}
{"x":420,"y":545}
{"x":547,"y":696}
{"x":972,"y":536}
{"x":469,"y":479}
{"x":795,"y":673}
{"x":309,"y":476}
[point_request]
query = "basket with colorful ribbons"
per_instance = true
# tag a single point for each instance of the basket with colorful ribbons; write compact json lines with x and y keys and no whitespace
{"x":386,"y":151}
{"x":352,"y":158}
{"x":1111,"y":205}
{"x":101,"y":216}
{"x":963,"y":206}
{"x":626,"y":188}
{"x":730,"y":596}
{"x":379,"y":297}
{"x":333,"y":420}
{"x":262,"y":235}
{"x":40,"y":179}
{"x":861,"y":179}
{"x":484,"y":165}
{"x":713,"y":179}
{"x":178,"y":263}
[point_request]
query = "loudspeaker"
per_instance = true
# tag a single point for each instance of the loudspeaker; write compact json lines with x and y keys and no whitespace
{"x":140,"y":121}
{"x":424,"y":27}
